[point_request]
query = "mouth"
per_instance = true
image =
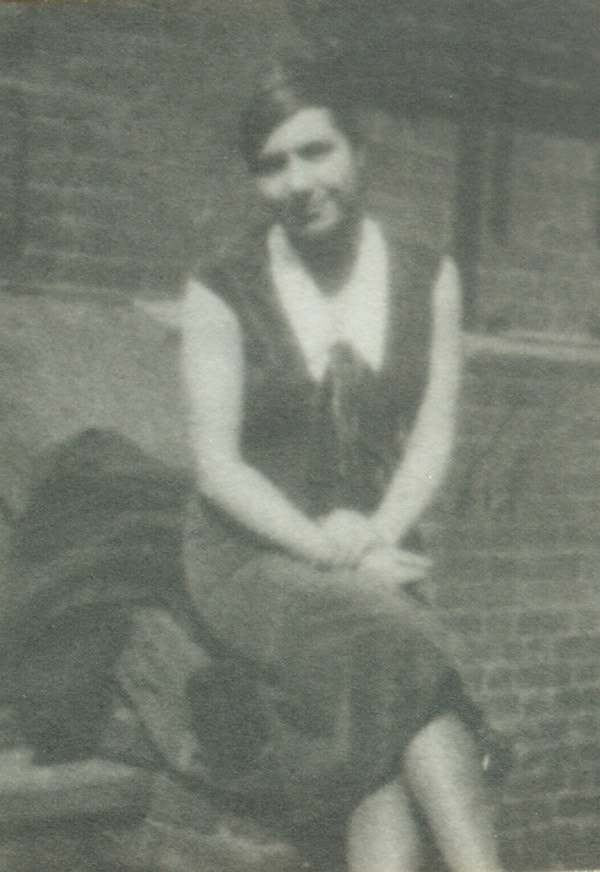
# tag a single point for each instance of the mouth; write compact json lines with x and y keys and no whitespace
{"x":309,"y":214}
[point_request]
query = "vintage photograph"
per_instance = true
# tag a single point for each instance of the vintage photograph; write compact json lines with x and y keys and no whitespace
{"x":300,"y":436}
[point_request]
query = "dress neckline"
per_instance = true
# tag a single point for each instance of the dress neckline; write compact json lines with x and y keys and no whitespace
{"x":357,"y":315}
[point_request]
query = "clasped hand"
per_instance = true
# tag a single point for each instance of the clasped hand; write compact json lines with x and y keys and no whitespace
{"x":354,"y":540}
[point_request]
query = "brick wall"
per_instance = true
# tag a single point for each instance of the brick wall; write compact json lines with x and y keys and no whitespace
{"x":120,"y":165}
{"x":518,"y":579}
{"x":544,"y":271}
{"x":127,"y":112}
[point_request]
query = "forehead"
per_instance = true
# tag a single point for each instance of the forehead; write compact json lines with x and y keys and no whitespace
{"x":307,"y":125}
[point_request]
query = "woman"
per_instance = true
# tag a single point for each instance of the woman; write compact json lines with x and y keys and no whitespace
{"x":323,"y":366}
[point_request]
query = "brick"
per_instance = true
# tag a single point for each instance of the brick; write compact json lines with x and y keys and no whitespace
{"x":473,"y":676}
{"x":485,"y":593}
{"x":469,"y":625}
{"x":540,"y":781}
{"x":98,"y":204}
{"x":50,"y":136}
{"x":543,"y":622}
{"x":512,"y":649}
{"x":538,"y":704}
{"x":580,"y":648}
{"x":585,"y":754}
{"x":10,"y":733}
{"x":570,"y":766}
{"x":539,"y":648}
{"x":575,"y":806}
{"x":40,"y":262}
{"x":555,"y":155}
{"x":53,"y":169}
{"x":78,"y":31}
{"x":95,"y":136}
{"x":105,"y":173}
{"x":543,"y":676}
{"x":43,"y":200}
{"x":535,"y":757}
{"x":584,"y":852}
{"x":529,"y":810}
{"x":559,"y":847}
{"x":61,"y":267}
{"x":506,"y":704}
{"x":501,"y":623}
{"x":500,"y":678}
{"x":48,"y":233}
{"x":536,"y":564}
{"x":588,"y":618}
{"x":543,"y":731}
{"x":582,"y":779}
{"x":585,"y":724}
{"x":579,"y":699}
{"x":588,"y":673}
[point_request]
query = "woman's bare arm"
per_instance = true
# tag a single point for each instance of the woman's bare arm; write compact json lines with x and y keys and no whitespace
{"x":430,"y":443}
{"x":213,"y":368}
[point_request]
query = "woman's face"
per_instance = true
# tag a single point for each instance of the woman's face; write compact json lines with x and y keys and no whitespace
{"x":309,"y":171}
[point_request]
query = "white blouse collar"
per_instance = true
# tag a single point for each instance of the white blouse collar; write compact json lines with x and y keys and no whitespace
{"x":357,"y":314}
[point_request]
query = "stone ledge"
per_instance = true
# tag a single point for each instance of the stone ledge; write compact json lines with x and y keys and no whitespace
{"x":30,"y":794}
{"x":542,"y":353}
{"x":148,"y":822}
{"x":163,"y":847}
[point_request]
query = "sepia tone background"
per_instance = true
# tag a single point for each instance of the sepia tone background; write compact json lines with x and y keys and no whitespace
{"x":119,"y":168}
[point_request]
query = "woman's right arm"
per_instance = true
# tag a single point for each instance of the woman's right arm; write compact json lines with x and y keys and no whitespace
{"x":213,"y":368}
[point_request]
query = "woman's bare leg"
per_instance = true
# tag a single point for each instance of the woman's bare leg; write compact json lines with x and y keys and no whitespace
{"x":382,"y":835}
{"x":443,"y":774}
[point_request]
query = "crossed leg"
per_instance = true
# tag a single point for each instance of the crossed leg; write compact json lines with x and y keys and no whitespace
{"x":442,"y":774}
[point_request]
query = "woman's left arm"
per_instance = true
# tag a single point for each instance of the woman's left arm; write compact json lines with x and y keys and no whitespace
{"x":430,"y":443}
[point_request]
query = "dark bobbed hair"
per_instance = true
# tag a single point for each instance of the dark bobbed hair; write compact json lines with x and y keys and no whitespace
{"x":283,"y":92}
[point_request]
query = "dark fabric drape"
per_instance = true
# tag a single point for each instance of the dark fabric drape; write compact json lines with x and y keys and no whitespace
{"x":101,"y":532}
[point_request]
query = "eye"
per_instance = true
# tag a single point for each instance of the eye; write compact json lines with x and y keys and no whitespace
{"x":316,"y":149}
{"x":269,"y":164}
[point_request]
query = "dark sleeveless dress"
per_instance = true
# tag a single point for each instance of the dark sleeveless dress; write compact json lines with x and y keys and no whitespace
{"x":346,"y":677}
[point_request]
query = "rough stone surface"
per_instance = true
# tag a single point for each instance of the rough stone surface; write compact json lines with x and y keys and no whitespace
{"x":30,"y":793}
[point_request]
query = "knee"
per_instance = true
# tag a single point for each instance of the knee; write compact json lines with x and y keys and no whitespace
{"x":384,"y":833}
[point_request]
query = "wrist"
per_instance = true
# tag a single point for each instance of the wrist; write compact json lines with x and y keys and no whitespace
{"x":385,"y":533}
{"x":316,"y":548}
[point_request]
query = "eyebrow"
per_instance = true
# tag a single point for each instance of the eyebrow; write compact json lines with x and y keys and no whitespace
{"x":268,"y":162}
{"x":316,"y":146}
{"x":276,"y":159}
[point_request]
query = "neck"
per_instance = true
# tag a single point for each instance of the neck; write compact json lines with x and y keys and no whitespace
{"x":330,"y":259}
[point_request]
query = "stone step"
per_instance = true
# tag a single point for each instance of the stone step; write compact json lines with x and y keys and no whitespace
{"x":92,"y":788}
{"x":185,"y":830}
{"x":99,"y":815}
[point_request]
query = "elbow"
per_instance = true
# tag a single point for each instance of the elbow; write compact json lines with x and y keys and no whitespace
{"x":216,"y":475}
{"x":207,"y":482}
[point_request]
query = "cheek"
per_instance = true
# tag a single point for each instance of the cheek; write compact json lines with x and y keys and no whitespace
{"x":341,"y":174}
{"x":272,"y":189}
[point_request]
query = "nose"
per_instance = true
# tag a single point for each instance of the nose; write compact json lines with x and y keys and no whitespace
{"x":298,"y":175}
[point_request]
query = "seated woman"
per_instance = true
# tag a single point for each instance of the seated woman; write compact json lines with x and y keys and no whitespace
{"x":322,"y":365}
{"x":283,"y":660}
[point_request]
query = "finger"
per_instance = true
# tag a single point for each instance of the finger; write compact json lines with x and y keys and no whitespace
{"x":412,"y":558}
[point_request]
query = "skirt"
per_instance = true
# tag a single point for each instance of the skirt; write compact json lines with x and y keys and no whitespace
{"x":322,"y":683}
